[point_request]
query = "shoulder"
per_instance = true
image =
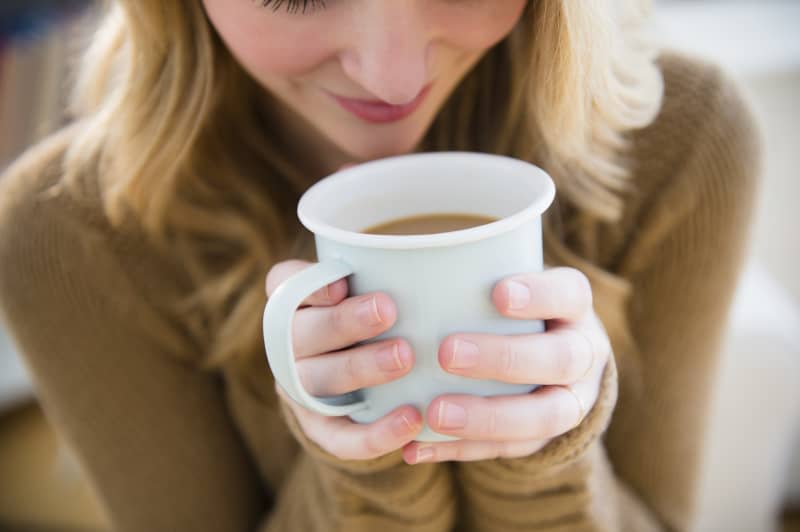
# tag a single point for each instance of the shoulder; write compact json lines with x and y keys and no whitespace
{"x":702,"y":96}
{"x":31,"y":213}
{"x":25,"y":184}
{"x":34,"y":198}
{"x":704,"y":141}
{"x":698,"y":164}
{"x":704,"y":110}
{"x":36,"y":213}
{"x":59,"y":251}
{"x":36,"y":206}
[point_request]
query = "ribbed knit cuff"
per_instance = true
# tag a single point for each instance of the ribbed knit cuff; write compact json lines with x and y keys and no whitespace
{"x":383,"y":493}
{"x":564,"y":449}
{"x":361,"y":467}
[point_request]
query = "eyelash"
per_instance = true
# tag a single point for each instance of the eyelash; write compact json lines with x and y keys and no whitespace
{"x":293,"y":6}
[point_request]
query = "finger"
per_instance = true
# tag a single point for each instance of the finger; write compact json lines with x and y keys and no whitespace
{"x":468,"y":451}
{"x":547,"y":412}
{"x":563,"y":355}
{"x":328,"y":295}
{"x":557,"y":293}
{"x":318,"y":330}
{"x":347,"y":440}
{"x":359,"y":367}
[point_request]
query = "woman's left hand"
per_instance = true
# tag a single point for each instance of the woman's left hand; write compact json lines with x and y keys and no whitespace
{"x":567,"y":360}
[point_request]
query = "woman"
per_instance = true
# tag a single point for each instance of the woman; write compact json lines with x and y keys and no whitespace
{"x":135,"y":243}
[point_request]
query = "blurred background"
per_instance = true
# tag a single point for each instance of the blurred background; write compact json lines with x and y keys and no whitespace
{"x":751,"y":477}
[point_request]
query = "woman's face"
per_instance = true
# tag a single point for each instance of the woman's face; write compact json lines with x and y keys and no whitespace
{"x":365,"y":77}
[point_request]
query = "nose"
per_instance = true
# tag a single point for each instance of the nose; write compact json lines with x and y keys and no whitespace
{"x":389,"y":53}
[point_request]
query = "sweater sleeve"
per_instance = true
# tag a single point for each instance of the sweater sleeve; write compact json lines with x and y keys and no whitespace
{"x":683,"y":269}
{"x":386,"y":494}
{"x":153,"y":433}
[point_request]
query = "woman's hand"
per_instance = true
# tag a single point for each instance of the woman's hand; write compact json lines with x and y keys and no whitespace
{"x":568,"y":360}
{"x":326,"y":323}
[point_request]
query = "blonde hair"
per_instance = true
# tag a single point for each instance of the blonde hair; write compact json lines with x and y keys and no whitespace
{"x":172,"y":130}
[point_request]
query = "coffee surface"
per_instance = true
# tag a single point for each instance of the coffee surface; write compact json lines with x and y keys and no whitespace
{"x":428,"y":224}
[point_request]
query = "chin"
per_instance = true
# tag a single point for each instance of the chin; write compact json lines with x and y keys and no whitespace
{"x":377,"y":148}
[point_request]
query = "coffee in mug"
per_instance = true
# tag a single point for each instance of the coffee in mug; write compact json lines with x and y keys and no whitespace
{"x":429,"y":223}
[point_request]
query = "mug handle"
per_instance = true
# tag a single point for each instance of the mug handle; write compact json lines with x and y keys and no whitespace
{"x":278,"y":318}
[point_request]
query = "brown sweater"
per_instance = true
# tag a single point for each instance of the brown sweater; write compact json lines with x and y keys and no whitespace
{"x":170,"y":447}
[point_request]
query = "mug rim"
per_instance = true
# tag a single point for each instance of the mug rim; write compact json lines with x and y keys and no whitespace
{"x":448,"y":238}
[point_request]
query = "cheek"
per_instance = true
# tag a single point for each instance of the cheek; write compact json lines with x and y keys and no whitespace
{"x":264,"y":43}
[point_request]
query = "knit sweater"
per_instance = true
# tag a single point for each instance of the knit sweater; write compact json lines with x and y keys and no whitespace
{"x":169,"y":446}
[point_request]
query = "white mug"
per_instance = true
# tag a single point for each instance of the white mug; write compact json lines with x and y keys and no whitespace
{"x":441,"y":283}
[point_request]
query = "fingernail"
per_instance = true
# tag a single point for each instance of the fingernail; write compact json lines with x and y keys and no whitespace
{"x":424,"y":454}
{"x":465,"y":354}
{"x":519,"y":295}
{"x":389,"y":359}
{"x":452,"y":416}
{"x":367,"y":312}
{"x":401,"y":426}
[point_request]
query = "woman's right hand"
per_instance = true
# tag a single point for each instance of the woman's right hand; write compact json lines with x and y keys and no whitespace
{"x":326,"y":325}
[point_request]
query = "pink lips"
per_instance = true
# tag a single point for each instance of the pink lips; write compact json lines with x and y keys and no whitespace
{"x":380,"y":112}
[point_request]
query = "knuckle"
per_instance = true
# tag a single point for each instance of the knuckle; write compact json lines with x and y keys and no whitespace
{"x":488,"y":429}
{"x":564,"y":415}
{"x":338,"y":319}
{"x":323,"y":435}
{"x":372,"y":444}
{"x":582,"y":290}
{"x":598,"y":338}
{"x":354,"y":372}
{"x":303,"y":373}
{"x":507,"y":361}
{"x":334,"y":444}
{"x":268,"y":284}
{"x":587,"y":353}
{"x":576,"y":350}
{"x":349,"y":368}
{"x":604,"y":349}
{"x":338,"y":455}
{"x":547,"y":293}
{"x":553,"y":420}
{"x":272,"y":280}
{"x":563,"y":361}
{"x":338,"y":452}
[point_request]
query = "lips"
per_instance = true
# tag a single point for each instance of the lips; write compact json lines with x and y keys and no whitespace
{"x":380,"y":112}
